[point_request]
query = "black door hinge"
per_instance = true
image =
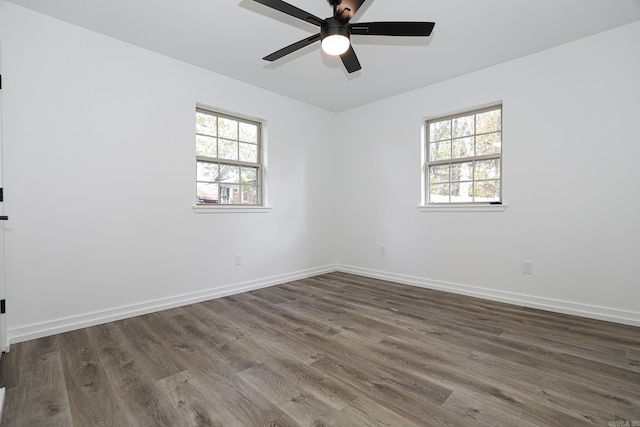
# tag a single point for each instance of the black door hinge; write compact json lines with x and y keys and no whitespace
{"x":0,"y":81}
{"x":3,"y":307}
{"x":1,"y":194}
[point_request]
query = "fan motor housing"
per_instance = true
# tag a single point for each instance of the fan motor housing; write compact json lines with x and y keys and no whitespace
{"x":332,"y":27}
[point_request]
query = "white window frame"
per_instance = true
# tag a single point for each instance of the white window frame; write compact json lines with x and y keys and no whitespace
{"x":259,"y":207}
{"x":470,"y":206}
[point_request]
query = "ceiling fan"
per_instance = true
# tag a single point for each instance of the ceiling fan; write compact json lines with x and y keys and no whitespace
{"x":335,"y":31}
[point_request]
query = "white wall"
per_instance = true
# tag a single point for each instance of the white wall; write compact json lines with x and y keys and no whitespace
{"x":85,"y":114}
{"x":571,"y":181}
{"x":100,"y":181}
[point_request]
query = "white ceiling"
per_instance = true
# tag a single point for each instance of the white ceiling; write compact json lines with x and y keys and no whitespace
{"x":230,"y":37}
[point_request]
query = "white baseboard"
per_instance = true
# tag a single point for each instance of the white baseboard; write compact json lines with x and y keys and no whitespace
{"x":39,"y":330}
{"x":559,"y":306}
{"x":43,"y":329}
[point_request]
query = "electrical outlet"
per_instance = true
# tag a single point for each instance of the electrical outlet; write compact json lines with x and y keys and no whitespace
{"x":527,"y":267}
{"x":238,"y":259}
{"x":383,"y":250}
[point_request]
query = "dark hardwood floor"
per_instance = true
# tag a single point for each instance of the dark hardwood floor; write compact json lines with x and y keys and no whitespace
{"x":334,"y":350}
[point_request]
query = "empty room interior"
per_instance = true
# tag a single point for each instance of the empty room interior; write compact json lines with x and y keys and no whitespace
{"x":438,"y":226}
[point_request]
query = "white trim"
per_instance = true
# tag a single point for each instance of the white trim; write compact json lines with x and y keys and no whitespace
{"x":462,"y":110}
{"x":1,"y":401}
{"x":43,"y":329}
{"x":548,"y":304}
{"x":4,"y":340}
{"x":462,"y":208}
{"x":231,"y":209}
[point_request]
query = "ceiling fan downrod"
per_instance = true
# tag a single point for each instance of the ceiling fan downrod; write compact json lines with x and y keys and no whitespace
{"x":335,"y":4}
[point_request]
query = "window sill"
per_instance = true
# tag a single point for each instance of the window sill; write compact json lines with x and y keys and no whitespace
{"x":230,"y":209}
{"x":463,"y":208}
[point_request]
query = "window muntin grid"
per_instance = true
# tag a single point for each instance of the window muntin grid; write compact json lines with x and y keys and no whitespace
{"x":228,"y":159}
{"x":464,"y":158}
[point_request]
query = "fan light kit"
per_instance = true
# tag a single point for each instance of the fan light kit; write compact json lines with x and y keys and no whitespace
{"x":336,"y":44}
{"x":335,"y":37}
{"x":335,"y":32}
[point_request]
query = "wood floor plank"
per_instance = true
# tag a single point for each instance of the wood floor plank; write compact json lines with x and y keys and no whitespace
{"x":267,"y":331}
{"x":91,"y":396}
{"x":557,"y":391}
{"x":483,"y":413}
{"x":149,"y":347}
{"x":137,"y":395}
{"x":408,"y":402}
{"x":330,"y":350}
{"x":217,"y":326}
{"x":192,"y":406}
{"x":300,"y":403}
{"x":239,"y":404}
{"x":340,"y":347}
{"x":493,"y":376}
{"x":370,"y":413}
{"x":36,"y":407}
{"x":33,"y":355}
{"x":294,"y":318}
{"x":41,"y":398}
{"x":187,"y":347}
{"x":610,"y":356}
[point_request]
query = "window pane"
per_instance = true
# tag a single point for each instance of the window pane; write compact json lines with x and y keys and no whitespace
{"x":206,"y":193}
{"x":229,"y":174}
{"x":249,"y":194}
{"x":248,"y":153}
{"x":206,"y":146}
{"x":440,"y":150}
{"x":205,"y":124}
{"x":461,"y":192}
{"x":462,"y":147}
{"x":462,"y":171}
{"x":439,"y":193}
{"x":487,"y":191}
{"x":463,"y":126}
{"x":439,"y":173}
{"x":227,"y":149}
{"x":488,"y":122}
{"x":236,"y":195}
{"x":487,"y":169}
{"x":206,"y":171}
{"x":249,"y":175}
{"x":440,"y":130}
{"x":227,"y":128}
{"x":229,"y":194}
{"x":248,"y":132}
{"x":488,"y":144}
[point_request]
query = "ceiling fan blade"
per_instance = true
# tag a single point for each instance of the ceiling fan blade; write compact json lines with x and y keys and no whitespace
{"x":350,"y":60}
{"x":292,"y":48}
{"x":291,"y":10}
{"x":420,"y":29}
{"x":347,"y":8}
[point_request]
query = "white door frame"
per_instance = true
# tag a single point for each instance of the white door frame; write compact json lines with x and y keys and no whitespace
{"x":4,"y":344}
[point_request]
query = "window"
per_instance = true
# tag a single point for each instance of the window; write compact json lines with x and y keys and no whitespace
{"x":228,"y":160}
{"x":464,"y":158}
